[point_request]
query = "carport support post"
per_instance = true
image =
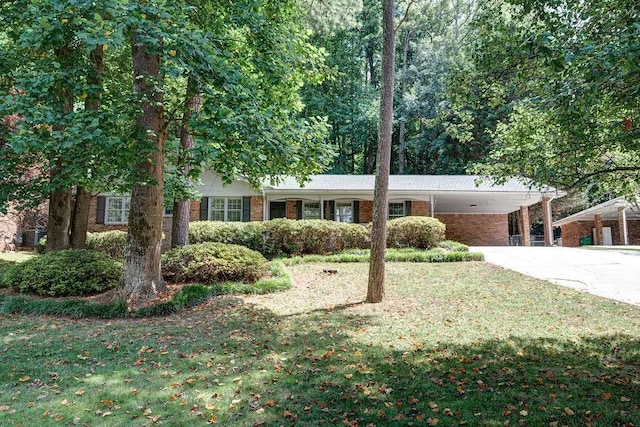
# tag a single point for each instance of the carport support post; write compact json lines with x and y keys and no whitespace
{"x":525,"y":225}
{"x":597,"y":219}
{"x":622,"y":225}
{"x":546,"y":220}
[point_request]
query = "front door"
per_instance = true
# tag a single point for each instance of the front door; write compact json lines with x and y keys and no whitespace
{"x":277,"y":210}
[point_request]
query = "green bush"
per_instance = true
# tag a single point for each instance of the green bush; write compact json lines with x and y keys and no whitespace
{"x":415,"y":231}
{"x":283,"y":237}
{"x":71,"y":272}
{"x":4,"y":264}
{"x":213,"y":262}
{"x":108,"y":242}
{"x":41,"y":247}
{"x":453,"y":246}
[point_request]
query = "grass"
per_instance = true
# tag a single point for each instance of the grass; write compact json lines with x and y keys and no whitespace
{"x":393,"y":255}
{"x":452,"y":344}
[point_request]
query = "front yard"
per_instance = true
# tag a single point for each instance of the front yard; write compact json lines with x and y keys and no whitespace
{"x":452,"y":344}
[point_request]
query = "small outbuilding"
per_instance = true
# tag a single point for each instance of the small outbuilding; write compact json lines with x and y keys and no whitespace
{"x":612,"y":223}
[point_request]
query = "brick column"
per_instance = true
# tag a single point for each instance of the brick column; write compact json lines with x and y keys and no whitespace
{"x":597,"y":219}
{"x":525,"y":226}
{"x":546,"y":220}
{"x":622,"y":225}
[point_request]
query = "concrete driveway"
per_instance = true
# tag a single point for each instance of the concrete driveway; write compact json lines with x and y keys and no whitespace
{"x":610,"y":273}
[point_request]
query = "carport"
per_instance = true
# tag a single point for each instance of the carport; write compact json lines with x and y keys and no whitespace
{"x":612,"y":223}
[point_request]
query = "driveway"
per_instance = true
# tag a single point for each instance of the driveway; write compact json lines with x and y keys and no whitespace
{"x":610,"y":273}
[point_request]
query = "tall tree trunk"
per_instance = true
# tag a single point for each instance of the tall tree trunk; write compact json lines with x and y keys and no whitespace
{"x":375,"y":289}
{"x":60,"y":197}
{"x":80,"y":218}
{"x":59,"y":216}
{"x":403,"y":120}
{"x":142,"y":277}
{"x":181,"y":208}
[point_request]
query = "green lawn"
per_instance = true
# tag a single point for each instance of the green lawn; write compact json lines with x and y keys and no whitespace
{"x":452,"y":344}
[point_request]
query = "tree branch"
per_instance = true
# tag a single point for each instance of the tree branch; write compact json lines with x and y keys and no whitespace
{"x":406,"y":15}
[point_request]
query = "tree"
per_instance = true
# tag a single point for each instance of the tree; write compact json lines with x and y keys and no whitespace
{"x":375,"y":290}
{"x":575,"y":120}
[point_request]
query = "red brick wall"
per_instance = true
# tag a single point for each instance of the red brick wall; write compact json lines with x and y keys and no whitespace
{"x":292,"y":209}
{"x":257,"y":208}
{"x":477,"y":230}
{"x":420,"y":208}
{"x":572,"y":232}
{"x":366,"y":211}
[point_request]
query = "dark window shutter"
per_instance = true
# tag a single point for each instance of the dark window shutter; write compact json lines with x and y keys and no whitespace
{"x":299,"y":209}
{"x":101,"y":209}
{"x":331,"y":211}
{"x":246,"y":209}
{"x":407,"y":208}
{"x":204,"y":209}
{"x":356,"y":211}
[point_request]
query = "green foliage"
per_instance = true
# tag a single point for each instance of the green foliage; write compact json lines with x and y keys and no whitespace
{"x":572,"y":117}
{"x":188,"y":296}
{"x":64,"y":273}
{"x":279,"y":280}
{"x":4,"y":264}
{"x":283,"y":237}
{"x":111,"y":243}
{"x":460,"y":253}
{"x":76,"y":309}
{"x":453,"y":246}
{"x":415,"y":231}
{"x":213,"y":262}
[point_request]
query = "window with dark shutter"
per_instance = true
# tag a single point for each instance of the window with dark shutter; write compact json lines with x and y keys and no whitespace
{"x":246,"y":209}
{"x":407,"y":208}
{"x":356,"y":211}
{"x":204,"y":209}
{"x":299,"y":209}
{"x":101,"y":209}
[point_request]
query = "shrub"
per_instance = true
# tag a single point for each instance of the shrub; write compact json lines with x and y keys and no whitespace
{"x":3,"y":266}
{"x":71,"y":272}
{"x":415,"y":231}
{"x":453,"y":246}
{"x":313,"y":236}
{"x":282,"y":236}
{"x":213,"y":262}
{"x":108,"y":242}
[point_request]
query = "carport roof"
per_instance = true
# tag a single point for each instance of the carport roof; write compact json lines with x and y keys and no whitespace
{"x":458,"y":194}
{"x":608,"y":210}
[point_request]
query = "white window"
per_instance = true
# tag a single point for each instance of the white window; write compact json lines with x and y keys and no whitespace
{"x":396,"y":210}
{"x":225,"y":209}
{"x":117,"y":210}
{"x":344,"y":212}
{"x":311,"y":210}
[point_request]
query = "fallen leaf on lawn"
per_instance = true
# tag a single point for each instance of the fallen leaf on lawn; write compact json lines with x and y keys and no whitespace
{"x":524,"y":413}
{"x":607,"y":395}
{"x":433,"y":405}
{"x":80,"y":392}
{"x":106,"y":414}
{"x":568,"y":411}
{"x":4,"y":408}
{"x":625,"y":399}
{"x":24,"y":379}
{"x":210,"y":406}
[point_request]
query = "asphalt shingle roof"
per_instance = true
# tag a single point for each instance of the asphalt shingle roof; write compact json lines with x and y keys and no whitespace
{"x":463,"y":183}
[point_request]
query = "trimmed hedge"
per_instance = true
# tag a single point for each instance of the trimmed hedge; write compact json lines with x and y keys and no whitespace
{"x":421,"y":232}
{"x":283,"y":237}
{"x":213,"y":262}
{"x":71,"y":272}
{"x":110,"y":243}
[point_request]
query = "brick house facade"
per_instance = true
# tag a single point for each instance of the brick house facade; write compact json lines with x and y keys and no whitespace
{"x":473,"y":214}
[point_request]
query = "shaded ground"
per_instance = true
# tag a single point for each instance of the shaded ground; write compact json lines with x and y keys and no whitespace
{"x":452,"y":344}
